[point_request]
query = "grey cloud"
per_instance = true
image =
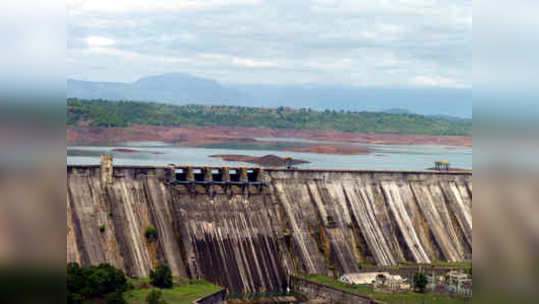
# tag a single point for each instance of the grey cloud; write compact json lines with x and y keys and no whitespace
{"x":303,"y":40}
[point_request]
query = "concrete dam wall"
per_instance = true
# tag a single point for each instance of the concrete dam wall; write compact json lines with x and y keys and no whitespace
{"x":248,"y":235}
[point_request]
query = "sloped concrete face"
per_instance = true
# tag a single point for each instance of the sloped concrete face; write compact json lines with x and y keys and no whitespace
{"x":249,"y":239}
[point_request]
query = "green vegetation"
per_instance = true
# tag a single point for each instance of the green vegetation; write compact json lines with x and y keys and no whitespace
{"x":464,"y":265}
{"x":400,"y":298}
{"x":115,"y":298}
{"x":438,"y":263}
{"x":95,"y":282}
{"x":124,"y":113}
{"x":151,"y":233}
{"x":183,"y":291}
{"x":420,"y":281}
{"x":102,"y":228}
{"x":161,"y":277}
{"x":106,"y":284}
{"x":155,"y":297}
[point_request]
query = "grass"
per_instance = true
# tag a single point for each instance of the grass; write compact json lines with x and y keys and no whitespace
{"x":401,"y":298}
{"x":459,"y":265}
{"x":183,"y":292}
{"x":465,"y":265}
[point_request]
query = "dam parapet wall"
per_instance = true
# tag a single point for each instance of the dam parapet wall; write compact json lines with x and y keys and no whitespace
{"x":248,"y":232}
{"x":218,"y":297}
{"x":332,"y":295}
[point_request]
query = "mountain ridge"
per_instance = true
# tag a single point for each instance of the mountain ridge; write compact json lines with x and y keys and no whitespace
{"x":182,"y":88}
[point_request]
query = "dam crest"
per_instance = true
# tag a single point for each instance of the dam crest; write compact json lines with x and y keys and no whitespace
{"x":248,"y":228}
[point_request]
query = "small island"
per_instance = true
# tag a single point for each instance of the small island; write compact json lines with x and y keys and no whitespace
{"x":265,"y":161}
{"x":124,"y":150}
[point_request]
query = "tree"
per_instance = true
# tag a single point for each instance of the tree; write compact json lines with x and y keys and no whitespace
{"x":75,"y":283}
{"x":155,"y":297}
{"x":104,"y":278}
{"x":420,"y":281}
{"x":85,"y":283}
{"x":161,"y":277}
{"x":115,"y":298}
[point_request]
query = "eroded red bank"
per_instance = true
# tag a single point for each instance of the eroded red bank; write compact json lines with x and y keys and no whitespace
{"x":203,"y":136}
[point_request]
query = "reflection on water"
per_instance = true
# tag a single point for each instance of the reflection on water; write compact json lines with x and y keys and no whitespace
{"x":390,"y":157}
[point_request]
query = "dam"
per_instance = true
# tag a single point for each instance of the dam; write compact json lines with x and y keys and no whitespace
{"x":248,"y":229}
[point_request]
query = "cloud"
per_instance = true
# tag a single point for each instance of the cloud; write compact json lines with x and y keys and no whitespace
{"x":436,"y":82}
{"x":226,"y":59}
{"x":125,"y":6}
{"x":93,"y":41}
{"x":352,"y":42}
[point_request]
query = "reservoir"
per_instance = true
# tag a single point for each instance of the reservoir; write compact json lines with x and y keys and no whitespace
{"x":381,"y":157}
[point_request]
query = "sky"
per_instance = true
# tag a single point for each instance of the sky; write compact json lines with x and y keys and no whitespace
{"x":366,"y":43}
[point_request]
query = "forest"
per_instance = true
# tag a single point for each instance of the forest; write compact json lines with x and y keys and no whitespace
{"x":105,"y":113}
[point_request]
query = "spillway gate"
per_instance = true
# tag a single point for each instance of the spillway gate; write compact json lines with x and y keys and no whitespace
{"x":220,"y":176}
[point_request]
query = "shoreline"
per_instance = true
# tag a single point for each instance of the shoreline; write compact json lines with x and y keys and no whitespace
{"x":245,"y":138}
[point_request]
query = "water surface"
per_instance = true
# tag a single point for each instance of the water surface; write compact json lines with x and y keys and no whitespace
{"x":390,"y":157}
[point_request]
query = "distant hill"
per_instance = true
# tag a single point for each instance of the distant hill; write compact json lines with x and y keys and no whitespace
{"x":124,"y":113}
{"x":437,"y":116}
{"x":398,"y":111}
{"x":173,"y":88}
{"x":186,"y":89}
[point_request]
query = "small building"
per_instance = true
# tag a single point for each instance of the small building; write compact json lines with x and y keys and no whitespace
{"x":454,"y":282}
{"x":459,"y":283}
{"x":363,"y":278}
{"x":390,"y":283}
{"x":382,"y":281}
{"x":435,"y":283}
{"x":441,"y":165}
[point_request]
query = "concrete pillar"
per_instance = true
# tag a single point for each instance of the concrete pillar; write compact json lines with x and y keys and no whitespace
{"x":226,"y":174}
{"x":106,"y":169}
{"x":189,"y":174}
{"x":207,"y":174}
{"x":243,"y":175}
{"x":171,"y":173}
{"x":261,"y":176}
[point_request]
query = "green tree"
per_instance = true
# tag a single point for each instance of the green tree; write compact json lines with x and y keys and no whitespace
{"x":420,"y":281}
{"x":124,"y":113}
{"x":115,"y":298}
{"x":155,"y":297}
{"x":85,"y":283}
{"x":161,"y":277}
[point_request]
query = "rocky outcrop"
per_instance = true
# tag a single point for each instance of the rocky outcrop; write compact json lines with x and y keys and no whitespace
{"x":249,"y":239}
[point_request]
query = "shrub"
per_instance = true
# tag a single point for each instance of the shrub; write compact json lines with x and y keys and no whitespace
{"x":155,"y":297}
{"x":161,"y":277}
{"x":85,"y":283}
{"x":115,"y":298}
{"x":151,"y":233}
{"x":420,"y":281}
{"x":104,"y":278}
{"x":102,"y":228}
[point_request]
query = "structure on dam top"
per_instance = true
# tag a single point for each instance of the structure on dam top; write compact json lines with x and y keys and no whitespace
{"x":106,"y":169}
{"x":441,"y":165}
{"x":240,"y":176}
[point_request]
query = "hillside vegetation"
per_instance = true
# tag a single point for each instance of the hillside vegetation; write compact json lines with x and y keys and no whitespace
{"x":124,"y":113}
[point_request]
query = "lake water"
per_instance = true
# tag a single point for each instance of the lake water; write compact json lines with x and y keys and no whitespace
{"x":390,"y":157}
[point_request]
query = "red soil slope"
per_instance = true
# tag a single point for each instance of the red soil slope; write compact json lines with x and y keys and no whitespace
{"x":201,"y":136}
